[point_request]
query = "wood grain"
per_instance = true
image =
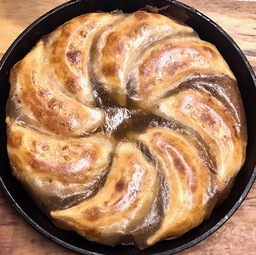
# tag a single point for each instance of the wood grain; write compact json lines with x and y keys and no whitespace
{"x":238,"y":235}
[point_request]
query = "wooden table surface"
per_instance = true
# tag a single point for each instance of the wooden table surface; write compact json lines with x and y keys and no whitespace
{"x":238,"y":235}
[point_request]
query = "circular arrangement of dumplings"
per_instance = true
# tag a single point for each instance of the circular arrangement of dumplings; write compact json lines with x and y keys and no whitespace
{"x":125,"y":127}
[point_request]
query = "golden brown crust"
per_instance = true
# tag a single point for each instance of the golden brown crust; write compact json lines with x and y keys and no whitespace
{"x":190,"y":182}
{"x":43,"y":104}
{"x":125,"y":127}
{"x":112,"y":215}
{"x":171,"y":60}
{"x":68,"y":52}
{"x":116,"y":49}
{"x":58,"y":167}
{"x":208,"y":116}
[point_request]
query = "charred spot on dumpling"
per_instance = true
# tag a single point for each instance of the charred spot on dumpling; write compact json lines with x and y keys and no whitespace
{"x":55,"y":104}
{"x":45,"y":147}
{"x":141,"y":15}
{"x":72,"y":85}
{"x":83,"y":33}
{"x":114,"y":45}
{"x":176,"y":158}
{"x":110,"y":69}
{"x":74,"y":56}
{"x":120,"y":185}
{"x":43,"y":93}
{"x":94,"y":213}
{"x":206,"y":117}
{"x":15,"y":140}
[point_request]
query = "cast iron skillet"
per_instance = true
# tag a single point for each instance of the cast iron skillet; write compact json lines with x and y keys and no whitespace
{"x":207,"y":30}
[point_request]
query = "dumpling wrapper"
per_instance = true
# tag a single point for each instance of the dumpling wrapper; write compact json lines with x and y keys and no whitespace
{"x":58,"y":172}
{"x":192,"y":188}
{"x":115,"y":212}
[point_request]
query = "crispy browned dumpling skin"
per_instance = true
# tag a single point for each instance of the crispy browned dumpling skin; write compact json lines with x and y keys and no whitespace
{"x":125,"y":127}
{"x":58,"y":171}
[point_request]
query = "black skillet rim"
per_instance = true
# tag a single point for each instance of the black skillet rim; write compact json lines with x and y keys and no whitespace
{"x":179,"y":248}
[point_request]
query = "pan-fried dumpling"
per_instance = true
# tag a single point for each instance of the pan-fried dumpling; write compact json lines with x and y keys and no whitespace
{"x":114,"y":214}
{"x":58,"y":171}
